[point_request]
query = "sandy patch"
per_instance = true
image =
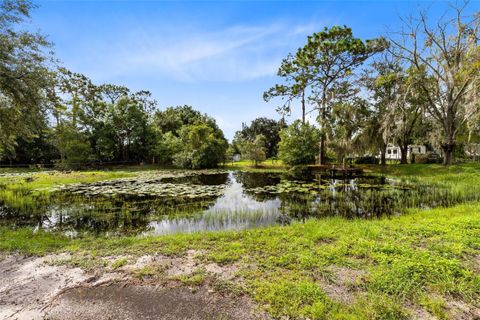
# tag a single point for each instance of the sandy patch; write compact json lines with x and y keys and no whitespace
{"x":28,"y":284}
{"x":46,"y":287}
{"x":341,"y":287}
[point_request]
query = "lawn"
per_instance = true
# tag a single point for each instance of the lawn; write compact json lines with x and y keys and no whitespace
{"x":423,"y":263}
{"x":267,"y":165}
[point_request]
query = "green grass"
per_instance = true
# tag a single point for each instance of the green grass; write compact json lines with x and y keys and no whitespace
{"x":464,"y":178}
{"x":119,"y":263}
{"x":387,"y":268}
{"x":25,"y":191}
{"x":422,"y":259}
{"x":268,"y":165}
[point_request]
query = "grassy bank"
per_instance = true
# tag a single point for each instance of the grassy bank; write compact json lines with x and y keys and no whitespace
{"x":331,"y":268}
{"x":267,"y":165}
{"x":423,"y":263}
{"x":463,"y":178}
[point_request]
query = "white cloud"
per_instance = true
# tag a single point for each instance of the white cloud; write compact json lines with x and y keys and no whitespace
{"x":233,"y":54}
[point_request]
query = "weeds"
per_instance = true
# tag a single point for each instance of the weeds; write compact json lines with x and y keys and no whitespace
{"x":416,"y":262}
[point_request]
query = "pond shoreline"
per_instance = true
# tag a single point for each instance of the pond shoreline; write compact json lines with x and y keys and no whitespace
{"x":423,"y":264}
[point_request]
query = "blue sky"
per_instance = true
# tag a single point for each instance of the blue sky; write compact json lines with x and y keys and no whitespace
{"x":217,"y":56}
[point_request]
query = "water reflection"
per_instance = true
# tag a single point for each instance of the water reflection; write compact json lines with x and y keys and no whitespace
{"x":234,"y":210}
{"x":238,"y":200}
{"x":215,"y":221}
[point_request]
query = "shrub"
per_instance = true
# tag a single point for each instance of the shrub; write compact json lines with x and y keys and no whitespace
{"x":299,"y":144}
{"x":200,"y":147}
{"x":366,"y":160}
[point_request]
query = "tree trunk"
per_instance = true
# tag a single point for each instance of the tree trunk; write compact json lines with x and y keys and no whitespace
{"x":303,"y":106}
{"x":403,"y":154}
{"x":383,"y":156}
{"x":321,"y":159}
{"x":322,"y":154}
{"x":448,"y":145}
{"x":448,"y":149}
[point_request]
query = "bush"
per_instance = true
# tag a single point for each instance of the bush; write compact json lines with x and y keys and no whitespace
{"x":298,"y":144}
{"x":430,"y":157}
{"x":200,"y":147}
{"x":367,"y":160}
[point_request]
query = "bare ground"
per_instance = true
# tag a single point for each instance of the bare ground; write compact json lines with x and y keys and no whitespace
{"x":49,"y":288}
{"x":151,"y":287}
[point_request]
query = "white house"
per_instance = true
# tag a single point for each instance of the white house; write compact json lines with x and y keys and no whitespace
{"x":472,"y":150}
{"x":394,"y":152}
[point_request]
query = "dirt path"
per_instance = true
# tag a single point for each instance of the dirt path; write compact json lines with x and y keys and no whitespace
{"x":40,"y":288}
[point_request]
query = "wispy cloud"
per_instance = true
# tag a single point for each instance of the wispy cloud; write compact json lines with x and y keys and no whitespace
{"x":236,"y":53}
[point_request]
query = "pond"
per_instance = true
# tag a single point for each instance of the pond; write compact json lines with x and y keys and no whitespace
{"x":212,"y":201}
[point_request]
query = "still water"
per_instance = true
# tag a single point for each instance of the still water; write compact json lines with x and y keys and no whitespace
{"x":218,"y":201}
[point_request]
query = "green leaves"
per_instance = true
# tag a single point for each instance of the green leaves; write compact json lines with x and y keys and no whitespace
{"x":298,"y":144}
{"x":254,"y":150}
{"x":24,"y":76}
{"x":200,"y":147}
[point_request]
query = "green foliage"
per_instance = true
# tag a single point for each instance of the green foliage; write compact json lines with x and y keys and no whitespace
{"x":367,"y":160}
{"x":320,"y":71}
{"x":174,"y":118}
{"x":166,"y":145}
{"x":269,"y":128}
{"x":73,"y":146}
{"x":128,"y":121}
{"x":295,"y":73}
{"x":199,"y":147}
{"x":349,"y":116}
{"x":114,"y":120}
{"x":298,"y":144}
{"x":230,"y":153}
{"x":254,"y":150}
{"x":188,"y":139}
{"x":25,"y":78}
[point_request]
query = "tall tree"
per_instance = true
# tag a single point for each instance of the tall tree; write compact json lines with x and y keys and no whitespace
{"x":294,"y":72}
{"x":269,"y":128}
{"x":332,"y":56}
{"x":403,"y":105}
{"x":379,"y":126}
{"x":24,"y":74}
{"x":447,"y":52}
{"x":173,"y":118}
{"x":254,"y":150}
{"x":200,"y":147}
{"x":188,"y":138}
{"x":130,"y":128}
{"x":349,"y":117}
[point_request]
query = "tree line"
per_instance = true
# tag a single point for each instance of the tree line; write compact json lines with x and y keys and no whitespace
{"x":49,"y":114}
{"x":418,"y":85}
